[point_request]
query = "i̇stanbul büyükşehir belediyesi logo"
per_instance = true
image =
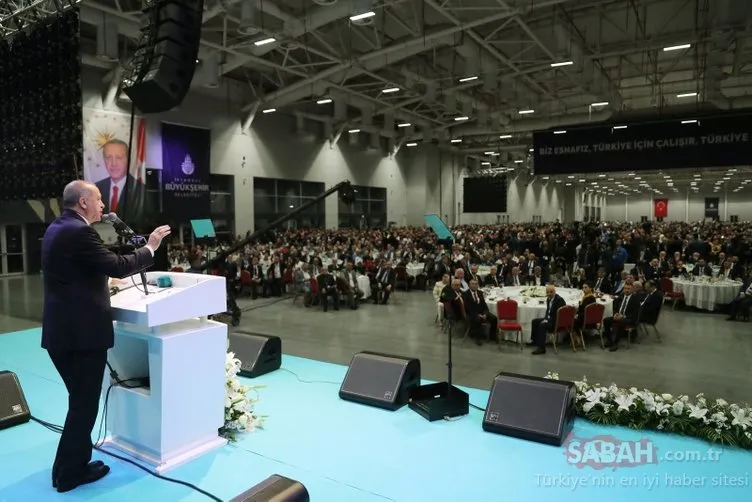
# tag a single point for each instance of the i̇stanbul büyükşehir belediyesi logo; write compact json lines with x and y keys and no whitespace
{"x":188,"y":167}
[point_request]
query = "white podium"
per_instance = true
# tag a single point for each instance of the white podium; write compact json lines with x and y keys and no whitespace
{"x":167,"y":337}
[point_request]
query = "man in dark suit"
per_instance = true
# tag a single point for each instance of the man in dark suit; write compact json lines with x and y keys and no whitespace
{"x":540,"y":327}
{"x":327,"y":287}
{"x":702,"y":269}
{"x":742,"y":303}
{"x":601,"y":284}
{"x":383,"y":284}
{"x":650,"y":303}
{"x":478,"y":313}
{"x":77,"y":326}
{"x":626,"y":312}
{"x":119,"y":181}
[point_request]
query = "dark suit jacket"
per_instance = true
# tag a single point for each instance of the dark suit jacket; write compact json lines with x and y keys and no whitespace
{"x":386,"y":276}
{"x":706,"y":270}
{"x":605,"y":286}
{"x":510,"y":280}
{"x":76,"y":266}
{"x":473,"y":309}
{"x":556,"y":302}
{"x":135,"y":196}
{"x":632,"y":312}
{"x":493,"y":281}
{"x":650,"y":305}
{"x":327,"y":283}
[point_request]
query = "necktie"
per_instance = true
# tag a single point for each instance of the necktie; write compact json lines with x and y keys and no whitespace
{"x":475,"y":297}
{"x":548,"y":308}
{"x":115,"y":199}
{"x":623,"y":307}
{"x":598,"y":284}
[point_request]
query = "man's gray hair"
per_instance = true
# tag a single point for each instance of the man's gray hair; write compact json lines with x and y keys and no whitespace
{"x":73,"y":192}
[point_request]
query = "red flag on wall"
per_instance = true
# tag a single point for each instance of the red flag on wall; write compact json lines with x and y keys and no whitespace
{"x":660,"y":208}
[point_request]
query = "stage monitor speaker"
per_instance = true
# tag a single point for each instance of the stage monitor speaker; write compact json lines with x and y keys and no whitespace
{"x":380,"y":380}
{"x":275,"y":488}
{"x":164,"y":65}
{"x":531,"y":408}
{"x":13,"y":407}
{"x":258,"y":354}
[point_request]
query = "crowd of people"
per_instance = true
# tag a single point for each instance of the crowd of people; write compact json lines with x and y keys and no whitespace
{"x":626,"y":260}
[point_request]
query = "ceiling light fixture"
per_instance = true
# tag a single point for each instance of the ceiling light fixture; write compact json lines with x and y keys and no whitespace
{"x":692,"y":121}
{"x":457,"y":140}
{"x":404,"y":124}
{"x":560,"y":132}
{"x":468,"y":79}
{"x":389,"y":90}
{"x":620,"y":127}
{"x":518,"y":161}
{"x":323,"y":101}
{"x":269,"y":110}
{"x":600,"y":103}
{"x":686,"y":95}
{"x":353,"y":131}
{"x":507,"y":136}
{"x":485,"y":163}
{"x":562,"y":63}
{"x":676,"y":47}
{"x":526,"y":112}
{"x":460,"y":119}
{"x":264,"y":41}
{"x":411,"y":144}
{"x":531,"y":150}
{"x":362,"y":16}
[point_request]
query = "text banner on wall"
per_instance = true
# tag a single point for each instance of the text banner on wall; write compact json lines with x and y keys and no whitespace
{"x":660,"y":208}
{"x":106,"y":164}
{"x":186,"y":159}
{"x":711,"y":207}
{"x":671,"y":144}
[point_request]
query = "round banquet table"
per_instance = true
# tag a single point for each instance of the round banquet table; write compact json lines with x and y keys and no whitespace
{"x":705,"y":295}
{"x":532,"y":308}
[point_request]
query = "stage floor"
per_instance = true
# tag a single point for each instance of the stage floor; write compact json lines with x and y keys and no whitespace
{"x":347,"y":452}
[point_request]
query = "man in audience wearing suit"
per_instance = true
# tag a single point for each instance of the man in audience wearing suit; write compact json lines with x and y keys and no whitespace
{"x":383,"y":284}
{"x":327,"y":287}
{"x":493,"y":280}
{"x":350,"y":277}
{"x":515,"y":278}
{"x":601,"y":284}
{"x":541,"y":327}
{"x":702,"y":269}
{"x":257,"y":279}
{"x":478,"y":313}
{"x":275,"y":276}
{"x":650,"y":304}
{"x":743,"y":302}
{"x":77,"y":326}
{"x":626,"y":312}
{"x":452,"y":294}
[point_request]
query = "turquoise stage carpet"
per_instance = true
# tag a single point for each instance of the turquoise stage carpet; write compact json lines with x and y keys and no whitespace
{"x":344,"y":452}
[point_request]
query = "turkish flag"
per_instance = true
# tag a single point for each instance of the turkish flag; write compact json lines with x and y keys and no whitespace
{"x":660,"y":208}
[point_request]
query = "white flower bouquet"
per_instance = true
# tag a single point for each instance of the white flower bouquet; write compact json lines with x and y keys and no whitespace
{"x":715,"y":421}
{"x":239,"y":407}
{"x":534,"y":292}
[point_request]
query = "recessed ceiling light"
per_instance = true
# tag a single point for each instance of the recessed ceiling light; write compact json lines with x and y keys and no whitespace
{"x":600,"y":103}
{"x":562,"y":63}
{"x":485,"y":163}
{"x":570,"y":177}
{"x":601,"y":175}
{"x":668,"y":176}
{"x":697,"y":175}
{"x":631,"y":174}
{"x":323,"y":101}
{"x":411,"y":144}
{"x":518,"y":161}
{"x":582,"y":180}
{"x":686,"y":95}
{"x":560,"y":132}
{"x":264,"y":41}
{"x":531,"y":150}
{"x":404,"y":124}
{"x":468,"y":79}
{"x":390,"y":90}
{"x":456,"y":140}
{"x":353,"y":131}
{"x":620,"y":127}
{"x":569,"y":184}
{"x":638,"y":177}
{"x":677,"y":47}
{"x":361,"y":16}
{"x":488,"y":153}
{"x":526,"y":112}
{"x":269,"y":110}
{"x":692,"y":121}
{"x":460,"y":119}
{"x":507,"y":136}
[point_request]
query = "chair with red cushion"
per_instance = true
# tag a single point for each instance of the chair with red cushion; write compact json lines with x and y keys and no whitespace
{"x":564,"y":323}
{"x":314,"y":290}
{"x":506,"y":312}
{"x":594,"y":314}
{"x":666,"y":286}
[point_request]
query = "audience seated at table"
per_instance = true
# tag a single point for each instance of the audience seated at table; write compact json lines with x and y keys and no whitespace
{"x":478,"y":314}
{"x":626,"y":315}
{"x":542,"y":326}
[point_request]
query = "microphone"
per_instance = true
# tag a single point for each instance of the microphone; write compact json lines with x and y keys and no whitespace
{"x":121,"y":228}
{"x":124,"y":230}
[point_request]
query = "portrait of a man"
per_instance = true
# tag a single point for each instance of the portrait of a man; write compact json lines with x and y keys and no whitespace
{"x":119,"y":183}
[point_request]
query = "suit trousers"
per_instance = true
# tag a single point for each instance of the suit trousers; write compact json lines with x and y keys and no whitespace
{"x":82,"y":372}
{"x":539,"y":330}
{"x":613,"y":329}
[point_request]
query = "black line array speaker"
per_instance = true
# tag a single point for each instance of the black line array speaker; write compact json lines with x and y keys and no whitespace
{"x":380,"y":380}
{"x":258,"y":354}
{"x":163,"y":65}
{"x":13,"y":407}
{"x":275,"y":488}
{"x":531,"y":408}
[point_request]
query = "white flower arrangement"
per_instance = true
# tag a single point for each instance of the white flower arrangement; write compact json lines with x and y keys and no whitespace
{"x":714,"y":421}
{"x":534,"y":292}
{"x":239,"y":407}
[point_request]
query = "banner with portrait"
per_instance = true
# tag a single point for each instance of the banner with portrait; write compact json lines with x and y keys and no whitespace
{"x":186,"y":165}
{"x":711,"y":207}
{"x":106,"y":162}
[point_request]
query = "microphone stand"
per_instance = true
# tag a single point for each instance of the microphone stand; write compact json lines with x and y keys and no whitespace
{"x":135,"y":241}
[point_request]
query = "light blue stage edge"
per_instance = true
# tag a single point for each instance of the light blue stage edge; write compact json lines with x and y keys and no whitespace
{"x":345,"y":452}
{"x":440,"y":229}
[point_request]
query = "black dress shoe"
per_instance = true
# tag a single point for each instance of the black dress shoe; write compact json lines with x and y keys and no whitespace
{"x":91,"y":474}
{"x":95,"y":463}
{"x":538,"y":352}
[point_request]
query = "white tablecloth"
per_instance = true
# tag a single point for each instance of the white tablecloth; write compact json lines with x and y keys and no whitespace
{"x":364,"y":285}
{"x":536,"y":307}
{"x":706,"y":295}
{"x":415,"y":269}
